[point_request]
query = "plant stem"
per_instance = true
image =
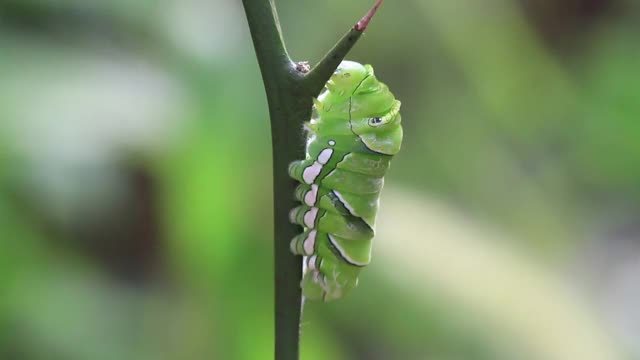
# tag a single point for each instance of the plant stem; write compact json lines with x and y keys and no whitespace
{"x":316,"y":79}
{"x":289,"y":94}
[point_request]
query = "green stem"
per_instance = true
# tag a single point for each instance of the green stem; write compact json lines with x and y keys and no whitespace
{"x":289,"y":94}
{"x":316,"y":79}
{"x":322,"y":71}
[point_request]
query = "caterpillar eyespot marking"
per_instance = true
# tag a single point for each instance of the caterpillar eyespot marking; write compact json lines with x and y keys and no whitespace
{"x":375,"y":121}
{"x":340,"y":185}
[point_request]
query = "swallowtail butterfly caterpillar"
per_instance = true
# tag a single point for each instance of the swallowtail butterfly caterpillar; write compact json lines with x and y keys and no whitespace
{"x":353,"y":134}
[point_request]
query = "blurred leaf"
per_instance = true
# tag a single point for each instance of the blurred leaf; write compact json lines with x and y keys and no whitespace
{"x":518,"y":301}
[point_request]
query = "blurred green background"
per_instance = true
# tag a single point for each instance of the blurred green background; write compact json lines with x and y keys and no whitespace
{"x":135,"y":203}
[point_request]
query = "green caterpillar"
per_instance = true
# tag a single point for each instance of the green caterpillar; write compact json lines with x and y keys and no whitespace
{"x":352,"y":136}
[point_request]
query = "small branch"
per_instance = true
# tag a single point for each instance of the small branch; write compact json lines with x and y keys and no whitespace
{"x":320,"y":74}
{"x":315,"y":80}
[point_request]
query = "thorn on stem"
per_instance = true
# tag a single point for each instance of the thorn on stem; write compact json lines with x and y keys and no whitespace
{"x":364,"y":22}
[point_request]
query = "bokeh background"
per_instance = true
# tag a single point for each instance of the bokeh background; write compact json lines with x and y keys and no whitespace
{"x":135,"y":203}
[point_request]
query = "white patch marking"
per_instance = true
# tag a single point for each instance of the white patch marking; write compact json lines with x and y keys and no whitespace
{"x":344,"y":255}
{"x":312,"y":263}
{"x":311,"y":196}
{"x":345,"y":203}
{"x":325,"y":156}
{"x":332,"y":143}
{"x":310,"y":173}
{"x":310,"y":217}
{"x":309,"y":243}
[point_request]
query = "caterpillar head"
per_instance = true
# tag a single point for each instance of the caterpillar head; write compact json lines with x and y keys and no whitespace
{"x":375,"y":116}
{"x":348,"y":77}
{"x":374,"y":113}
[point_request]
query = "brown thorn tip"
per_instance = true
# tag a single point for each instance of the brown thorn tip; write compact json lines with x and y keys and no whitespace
{"x":364,"y":22}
